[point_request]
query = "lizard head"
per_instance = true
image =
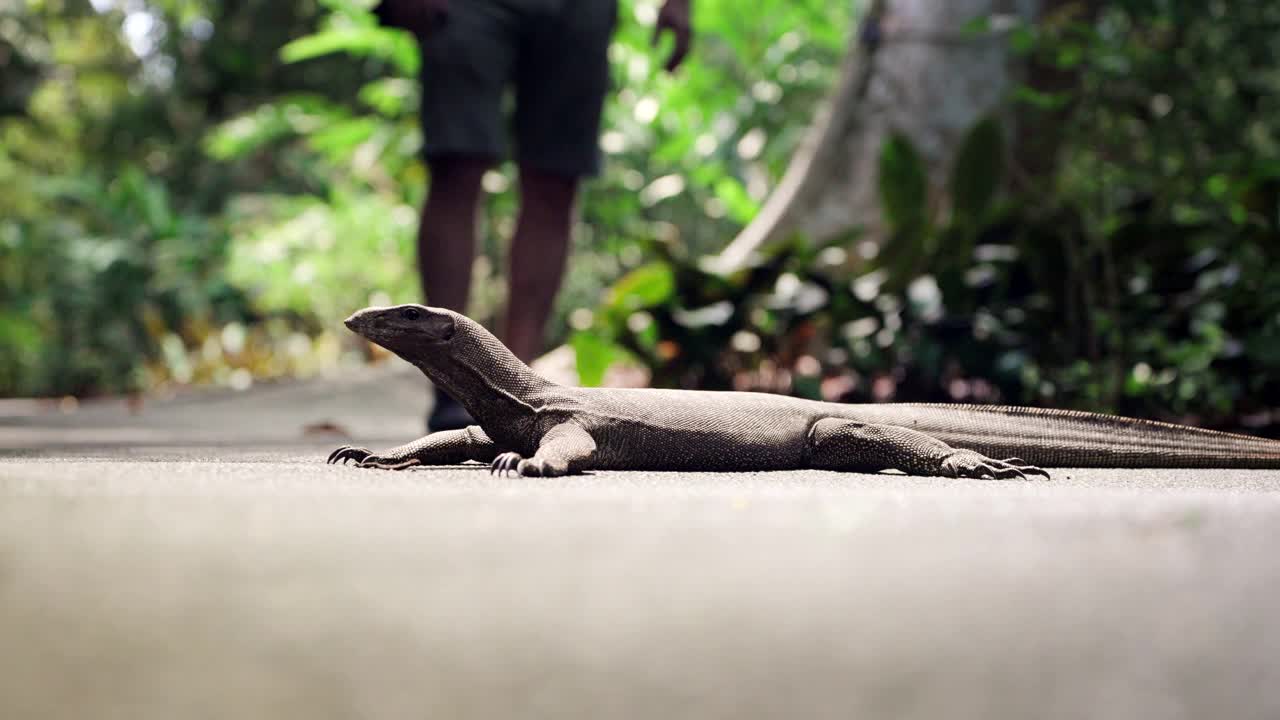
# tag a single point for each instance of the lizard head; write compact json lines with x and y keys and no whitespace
{"x":407,"y":330}
{"x":451,"y":349}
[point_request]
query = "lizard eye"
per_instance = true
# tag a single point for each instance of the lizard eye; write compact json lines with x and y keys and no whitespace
{"x":410,"y":314}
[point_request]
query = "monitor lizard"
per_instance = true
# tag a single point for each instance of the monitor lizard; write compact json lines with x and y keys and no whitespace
{"x":533,"y":427}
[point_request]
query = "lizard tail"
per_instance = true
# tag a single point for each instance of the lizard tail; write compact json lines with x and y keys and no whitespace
{"x":1069,"y":438}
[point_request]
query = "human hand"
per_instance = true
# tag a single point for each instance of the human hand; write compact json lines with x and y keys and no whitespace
{"x":419,"y":17}
{"x":674,"y":17}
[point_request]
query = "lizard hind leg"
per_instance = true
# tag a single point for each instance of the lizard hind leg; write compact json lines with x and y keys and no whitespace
{"x":852,"y":446}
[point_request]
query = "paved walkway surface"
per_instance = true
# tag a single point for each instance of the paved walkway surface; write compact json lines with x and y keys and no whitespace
{"x":197,"y":560}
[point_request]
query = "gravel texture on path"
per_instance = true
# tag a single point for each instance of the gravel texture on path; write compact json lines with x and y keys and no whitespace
{"x":194,"y":558}
{"x":223,"y":582}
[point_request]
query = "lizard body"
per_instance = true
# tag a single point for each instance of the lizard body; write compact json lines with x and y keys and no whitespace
{"x":535,"y":427}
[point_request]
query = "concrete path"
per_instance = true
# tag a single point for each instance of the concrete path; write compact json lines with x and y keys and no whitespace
{"x":197,"y":560}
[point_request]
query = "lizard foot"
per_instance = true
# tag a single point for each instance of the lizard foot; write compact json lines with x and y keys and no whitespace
{"x":348,"y":452}
{"x":373,"y":461}
{"x":970,"y":464}
{"x":365,"y":459}
{"x":537,"y":467}
{"x":510,"y":462}
{"x":506,"y":462}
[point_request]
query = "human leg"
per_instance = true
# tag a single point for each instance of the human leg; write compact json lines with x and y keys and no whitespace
{"x":561,"y":79}
{"x":447,"y":230}
{"x":466,"y":65}
{"x":537,"y":257}
{"x":446,"y":247}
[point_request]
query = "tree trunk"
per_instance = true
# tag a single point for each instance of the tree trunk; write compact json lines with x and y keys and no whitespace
{"x":911,"y":69}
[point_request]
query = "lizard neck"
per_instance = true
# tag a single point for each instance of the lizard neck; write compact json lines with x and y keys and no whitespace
{"x":486,"y":378}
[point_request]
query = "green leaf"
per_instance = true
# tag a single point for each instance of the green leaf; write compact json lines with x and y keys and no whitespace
{"x":977,"y":172}
{"x":594,"y":356}
{"x":360,"y":11}
{"x":1069,"y":57}
{"x":646,"y":286}
{"x":300,"y":114}
{"x":155,"y":207}
{"x":1217,"y":186}
{"x":977,"y":26}
{"x":1023,"y":39}
{"x":343,"y":136}
{"x":245,"y":133}
{"x":355,"y":40}
{"x":391,"y":97}
{"x":1040,"y":100}
{"x":738,"y":204}
{"x":903,"y":184}
{"x":391,"y":45}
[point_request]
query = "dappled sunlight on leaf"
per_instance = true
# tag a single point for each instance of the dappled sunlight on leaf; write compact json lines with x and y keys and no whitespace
{"x":392,"y":45}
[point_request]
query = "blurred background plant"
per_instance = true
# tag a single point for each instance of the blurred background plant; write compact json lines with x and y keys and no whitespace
{"x":258,"y":170}
{"x":194,"y":191}
{"x":1133,"y":274}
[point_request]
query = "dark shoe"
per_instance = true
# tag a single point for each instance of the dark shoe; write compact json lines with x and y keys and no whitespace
{"x":448,"y":414}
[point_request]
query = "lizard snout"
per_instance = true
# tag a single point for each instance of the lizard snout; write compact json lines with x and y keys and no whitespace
{"x":361,"y":321}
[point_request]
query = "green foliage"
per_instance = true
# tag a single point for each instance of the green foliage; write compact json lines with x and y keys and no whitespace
{"x":1118,"y":259}
{"x":689,"y":156}
{"x":695,"y":327}
{"x":904,"y":185}
{"x":114,"y":245}
{"x":346,"y":243}
{"x":284,"y":139}
{"x":85,"y":296}
{"x":208,"y":200}
{"x":977,"y":173}
{"x":1165,"y":202}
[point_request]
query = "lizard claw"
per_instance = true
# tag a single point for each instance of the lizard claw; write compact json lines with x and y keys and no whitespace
{"x":1025,"y":467}
{"x":506,"y":462}
{"x":365,"y":459}
{"x":373,"y":461}
{"x":348,"y":452}
{"x":510,"y":462}
{"x":970,"y":464}
{"x":540,"y":467}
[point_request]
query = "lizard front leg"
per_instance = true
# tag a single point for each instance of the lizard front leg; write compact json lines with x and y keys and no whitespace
{"x":839,"y":444}
{"x":448,"y":447}
{"x":565,"y":448}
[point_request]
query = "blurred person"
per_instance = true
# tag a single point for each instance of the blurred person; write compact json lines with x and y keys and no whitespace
{"x":554,"y":55}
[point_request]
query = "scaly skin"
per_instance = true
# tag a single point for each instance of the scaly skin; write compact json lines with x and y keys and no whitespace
{"x":533,"y":427}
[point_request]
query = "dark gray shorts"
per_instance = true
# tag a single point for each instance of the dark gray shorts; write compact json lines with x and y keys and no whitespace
{"x":552,"y":53}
